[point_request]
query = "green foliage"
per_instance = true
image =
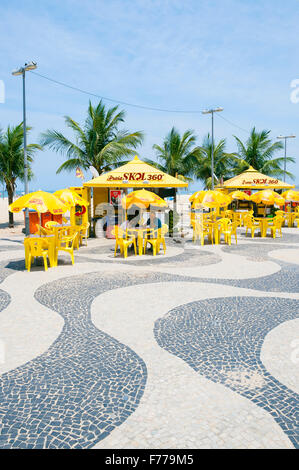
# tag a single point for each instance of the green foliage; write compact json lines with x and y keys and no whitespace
{"x":12,"y":159}
{"x":258,"y":151}
{"x":99,"y":143}
{"x":12,"y":156}
{"x":224,"y":162}
{"x":177,"y":155}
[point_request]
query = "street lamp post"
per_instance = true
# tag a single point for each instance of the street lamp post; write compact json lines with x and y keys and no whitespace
{"x":21,"y":71}
{"x":285,"y":137}
{"x":212,"y":111}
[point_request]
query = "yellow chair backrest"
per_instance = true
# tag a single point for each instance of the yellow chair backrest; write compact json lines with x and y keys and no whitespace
{"x":37,"y":246}
{"x":155,"y":233}
{"x":51,"y":223}
{"x":164,"y":229}
{"x":43,"y":231}
{"x":249,"y":220}
{"x":201,"y":227}
{"x":278,"y":221}
{"x":84,"y":226}
{"x":224,"y":220}
{"x":228,"y":214}
{"x":281,"y":213}
{"x":118,"y":232}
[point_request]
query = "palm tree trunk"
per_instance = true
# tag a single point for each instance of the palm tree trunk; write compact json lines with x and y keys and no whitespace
{"x":10,"y":201}
{"x":175,"y":200}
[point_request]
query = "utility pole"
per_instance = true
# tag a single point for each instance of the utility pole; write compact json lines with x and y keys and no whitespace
{"x":212,"y":111}
{"x":21,"y":71}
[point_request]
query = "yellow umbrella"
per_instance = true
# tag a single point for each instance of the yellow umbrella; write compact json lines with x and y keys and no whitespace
{"x":291,"y":195}
{"x":212,"y":199}
{"x":143,"y":199}
{"x":240,"y":195}
{"x":196,"y":195}
{"x":40,"y":201}
{"x":267,"y":197}
{"x":70,"y":198}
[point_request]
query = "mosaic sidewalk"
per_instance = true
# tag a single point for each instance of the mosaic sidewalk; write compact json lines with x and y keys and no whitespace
{"x":137,"y":335}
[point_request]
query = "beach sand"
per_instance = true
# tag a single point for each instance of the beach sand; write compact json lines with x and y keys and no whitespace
{"x":18,"y":218}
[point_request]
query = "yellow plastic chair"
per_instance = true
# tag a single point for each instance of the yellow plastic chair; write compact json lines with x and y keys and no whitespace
{"x":229,"y":230}
{"x":277,"y":223}
{"x":122,"y":241}
{"x":223,"y":226}
{"x":162,"y":242}
{"x":154,"y":239}
{"x":70,"y":232}
{"x":251,"y":224}
{"x":67,"y":244}
{"x":38,"y":247}
{"x":202,"y":230}
{"x":51,"y":223}
{"x":244,"y":215}
{"x":83,"y":232}
{"x":43,"y":231}
{"x":228,"y":214}
{"x":237,"y":218}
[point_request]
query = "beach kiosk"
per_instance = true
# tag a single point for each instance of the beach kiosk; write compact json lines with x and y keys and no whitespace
{"x":249,"y":181}
{"x":110,"y":187}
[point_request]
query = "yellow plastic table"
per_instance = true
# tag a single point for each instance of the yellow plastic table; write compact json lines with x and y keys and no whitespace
{"x":264,"y":222}
{"x":51,"y":242}
{"x":215,"y":230}
{"x":139,"y":233}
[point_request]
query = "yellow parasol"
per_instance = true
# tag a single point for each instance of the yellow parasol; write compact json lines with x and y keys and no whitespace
{"x":70,"y":198}
{"x":291,"y":196}
{"x":143,"y":199}
{"x":211,"y":199}
{"x":239,"y":195}
{"x":40,"y":201}
{"x":267,"y":197}
{"x":196,"y":195}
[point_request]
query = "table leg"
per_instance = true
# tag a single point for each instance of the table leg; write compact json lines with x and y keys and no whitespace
{"x":26,"y":254}
{"x":264,"y":225}
{"x":140,"y":245}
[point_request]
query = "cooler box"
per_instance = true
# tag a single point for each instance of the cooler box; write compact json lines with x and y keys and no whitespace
{"x":57,"y":218}
{"x":45,"y":217}
{"x":33,"y":221}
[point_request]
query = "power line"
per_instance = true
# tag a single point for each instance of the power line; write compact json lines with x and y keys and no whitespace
{"x":113,"y":100}
{"x":233,"y":124}
{"x":80,"y":90}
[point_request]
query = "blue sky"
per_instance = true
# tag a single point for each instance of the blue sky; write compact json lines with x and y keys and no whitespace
{"x":191,"y":54}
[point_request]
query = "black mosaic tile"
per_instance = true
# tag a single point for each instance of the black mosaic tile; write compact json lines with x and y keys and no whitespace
{"x":222,"y":339}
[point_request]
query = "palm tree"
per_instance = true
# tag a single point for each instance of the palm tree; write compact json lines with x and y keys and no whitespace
{"x":177,"y":155}
{"x":258,"y":151}
{"x":223,"y":162}
{"x":99,"y":143}
{"x":12,"y":160}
